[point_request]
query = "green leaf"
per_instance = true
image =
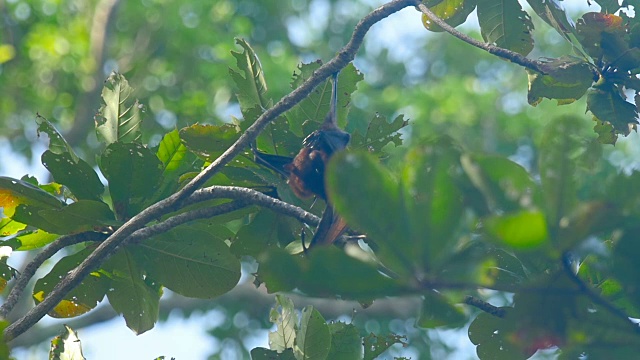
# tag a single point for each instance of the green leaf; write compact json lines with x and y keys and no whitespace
{"x":314,"y":108}
{"x":346,"y":343}
{"x":284,"y":316}
{"x":119,"y":118}
{"x":505,"y":185}
{"x":505,"y":24}
{"x":374,"y":345}
{"x":77,"y":175}
{"x":433,"y":202}
{"x":4,"y":348}
{"x":252,"y":87}
{"x":453,"y":12}
{"x":14,"y":192}
{"x":209,"y":141}
{"x":57,"y":143}
{"x":438,"y":312}
{"x":606,"y":132}
{"x":190,"y":262}
{"x":567,"y":79}
{"x":313,"y":339}
{"x":9,"y":226}
{"x":7,"y":273}
{"x":66,"y":346}
{"x":133,"y":172}
{"x":552,"y":12}
{"x":601,"y":35}
{"x":606,"y":104}
{"x":560,"y":146}
{"x":379,"y":133}
{"x":82,"y":215}
{"x":267,"y":229}
{"x":176,"y":161}
{"x":83,"y":297}
{"x":331,"y":272}
{"x":351,"y":180}
{"x":132,"y":293}
{"x":491,"y":336}
{"x":523,"y":230}
{"x":34,"y":240}
{"x":278,"y":270}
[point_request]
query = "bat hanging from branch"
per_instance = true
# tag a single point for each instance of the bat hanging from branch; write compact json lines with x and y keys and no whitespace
{"x":306,"y":171}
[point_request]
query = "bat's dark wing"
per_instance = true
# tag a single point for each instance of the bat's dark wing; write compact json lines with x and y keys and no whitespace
{"x":330,"y":228}
{"x":277,"y":163}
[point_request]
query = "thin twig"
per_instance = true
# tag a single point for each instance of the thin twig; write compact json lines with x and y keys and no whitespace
{"x":109,"y":246}
{"x":484,"y":306}
{"x":23,"y":279}
{"x":592,"y":295}
{"x":506,"y":54}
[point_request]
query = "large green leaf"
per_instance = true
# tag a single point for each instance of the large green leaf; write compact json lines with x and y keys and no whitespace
{"x":176,"y":161}
{"x":601,"y":35}
{"x":190,"y":262}
{"x":77,"y":175}
{"x":252,"y":87}
{"x":315,"y":107}
{"x":57,"y":143}
{"x":560,"y":146}
{"x":346,"y":343}
{"x":352,"y":178}
{"x":134,"y":174}
{"x":14,"y":192}
{"x":313,"y":339}
{"x":505,"y":24}
{"x":374,"y":345}
{"x":267,"y":229}
{"x":120,"y":116}
{"x":132,"y":293}
{"x":453,"y":12}
{"x":209,"y":141}
{"x":552,"y":12}
{"x":505,"y":185}
{"x":83,"y":297}
{"x":379,"y":133}
{"x":523,"y":230}
{"x":82,"y":215}
{"x":284,"y":316}
{"x":437,"y":312}
{"x":567,"y":79}
{"x":433,"y":201}
{"x":606,"y":104}
{"x":30,"y":240}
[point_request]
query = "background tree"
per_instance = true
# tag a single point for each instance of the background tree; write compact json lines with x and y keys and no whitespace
{"x":520,"y":236}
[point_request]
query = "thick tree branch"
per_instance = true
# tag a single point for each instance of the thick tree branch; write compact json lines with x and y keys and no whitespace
{"x":23,"y":279}
{"x":512,"y":56}
{"x":253,"y":197}
{"x":109,"y":246}
{"x":484,"y":306}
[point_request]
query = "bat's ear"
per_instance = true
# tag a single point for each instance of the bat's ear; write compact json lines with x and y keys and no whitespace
{"x":276,"y":163}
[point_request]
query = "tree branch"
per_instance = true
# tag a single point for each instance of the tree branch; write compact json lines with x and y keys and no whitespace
{"x":593,"y":296}
{"x":109,"y":246}
{"x":23,"y":279}
{"x":506,"y":54}
{"x":484,"y":306}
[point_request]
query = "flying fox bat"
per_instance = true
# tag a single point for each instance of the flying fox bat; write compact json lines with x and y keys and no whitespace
{"x":305,"y":172}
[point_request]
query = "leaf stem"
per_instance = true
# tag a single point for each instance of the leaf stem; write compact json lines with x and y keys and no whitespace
{"x":503,"y":53}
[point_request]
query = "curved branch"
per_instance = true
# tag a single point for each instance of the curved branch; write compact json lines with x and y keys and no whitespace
{"x":23,"y":279}
{"x":118,"y":238}
{"x":512,"y":56}
{"x":253,"y":197}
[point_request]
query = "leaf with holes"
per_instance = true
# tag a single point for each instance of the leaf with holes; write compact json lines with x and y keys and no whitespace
{"x":120,"y":116}
{"x":505,"y":24}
